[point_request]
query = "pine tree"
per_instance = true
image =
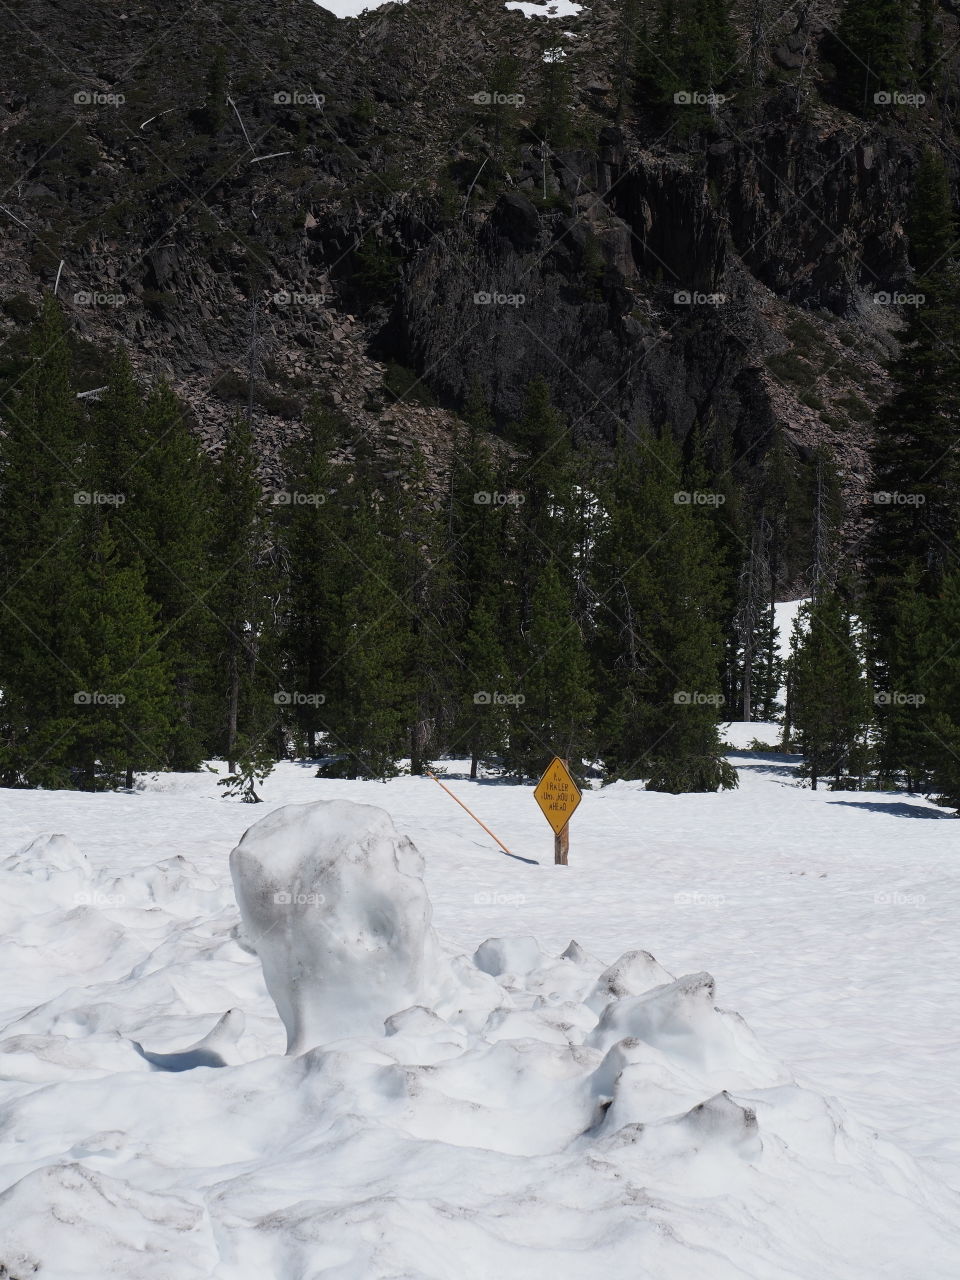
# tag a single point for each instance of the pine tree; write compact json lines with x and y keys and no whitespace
{"x":707,"y":44}
{"x":871,"y":51}
{"x":115,"y":446}
{"x":629,"y":24}
{"x":777,"y":499}
{"x":709,"y":468}
{"x":928,"y":57}
{"x":906,"y":750}
{"x":653,"y":73}
{"x":825,"y":501}
{"x":485,"y":717}
{"x":369,"y":680}
{"x":916,"y":502}
{"x":938,"y":683}
{"x":249,"y":683}
{"x":555,"y":716}
{"x":124,"y":700}
{"x":500,"y":115}
{"x":480,"y":521}
{"x":554,"y":99}
{"x":782,"y":506}
{"x":754,"y":620}
{"x":544,"y":478}
{"x":687,"y":47}
{"x":829,"y":692}
{"x":171,"y":517}
{"x":313,"y":556}
{"x":255,"y":762}
{"x":422,"y":577}
{"x":547,"y":572}
{"x":657,"y":645}
{"x":41,"y":492}
{"x":143,"y":455}
{"x":931,"y":225}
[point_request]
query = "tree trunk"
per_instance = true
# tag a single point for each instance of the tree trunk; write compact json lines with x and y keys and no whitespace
{"x":233,"y":712}
{"x":788,"y":714}
{"x":474,"y":762}
{"x":748,"y":685}
{"x":420,"y":735}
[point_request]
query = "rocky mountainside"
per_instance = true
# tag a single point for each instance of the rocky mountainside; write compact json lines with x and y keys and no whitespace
{"x":341,"y":199}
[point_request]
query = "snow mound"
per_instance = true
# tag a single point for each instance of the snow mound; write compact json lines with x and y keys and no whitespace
{"x":47,"y":856}
{"x":87,"y":1217}
{"x":162,"y":884}
{"x":49,"y":869}
{"x":633,"y":974}
{"x":498,"y":956}
{"x":333,"y":902}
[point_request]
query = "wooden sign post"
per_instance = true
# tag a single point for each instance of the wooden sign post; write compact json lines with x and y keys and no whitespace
{"x":558,"y":795}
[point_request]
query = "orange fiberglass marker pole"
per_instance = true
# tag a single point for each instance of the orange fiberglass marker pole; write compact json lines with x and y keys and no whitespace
{"x":472,"y":815}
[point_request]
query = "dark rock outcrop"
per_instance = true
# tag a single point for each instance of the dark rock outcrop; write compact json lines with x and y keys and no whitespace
{"x":188,"y":161}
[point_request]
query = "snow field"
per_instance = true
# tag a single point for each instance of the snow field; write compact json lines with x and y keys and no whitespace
{"x":529,"y":1108}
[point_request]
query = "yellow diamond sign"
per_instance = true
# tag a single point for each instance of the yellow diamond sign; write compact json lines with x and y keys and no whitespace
{"x":557,"y":794}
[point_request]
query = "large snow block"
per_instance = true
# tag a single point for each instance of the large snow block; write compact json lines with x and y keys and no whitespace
{"x":333,"y":903}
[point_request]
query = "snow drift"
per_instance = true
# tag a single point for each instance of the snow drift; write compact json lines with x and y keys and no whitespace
{"x":517,"y":1113}
{"x":333,"y":902}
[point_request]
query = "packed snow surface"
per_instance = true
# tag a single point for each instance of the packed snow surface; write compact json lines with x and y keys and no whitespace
{"x":468,"y":1093}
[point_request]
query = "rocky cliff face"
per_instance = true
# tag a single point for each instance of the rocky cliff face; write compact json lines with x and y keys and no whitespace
{"x":179,"y":167}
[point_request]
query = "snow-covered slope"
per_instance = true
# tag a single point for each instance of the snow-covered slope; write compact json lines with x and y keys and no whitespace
{"x":543,"y":1115}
